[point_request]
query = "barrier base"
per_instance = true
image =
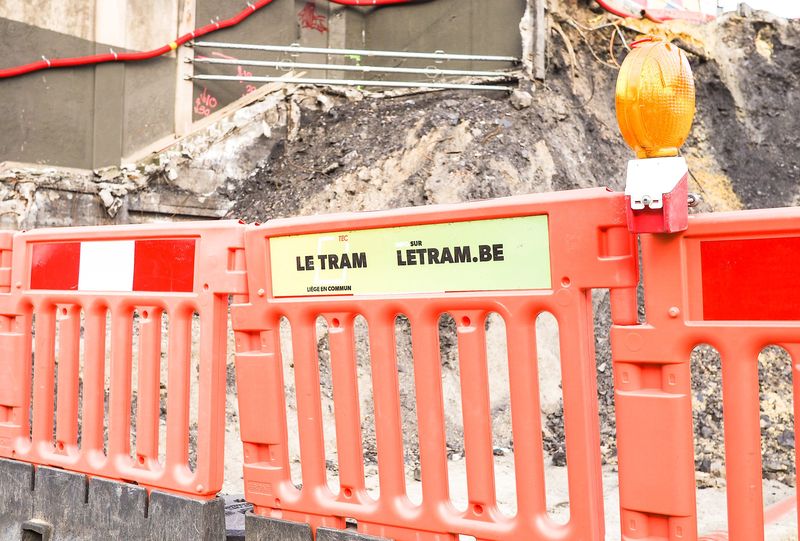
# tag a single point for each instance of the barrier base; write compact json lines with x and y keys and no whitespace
{"x":260,"y":528}
{"x":49,"y":504}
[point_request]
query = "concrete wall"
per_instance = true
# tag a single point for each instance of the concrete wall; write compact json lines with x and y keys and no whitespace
{"x":454,"y":26}
{"x":85,"y":117}
{"x":75,"y":18}
{"x":129,"y":24}
{"x":310,"y":23}
{"x":47,"y":118}
{"x":92,"y":117}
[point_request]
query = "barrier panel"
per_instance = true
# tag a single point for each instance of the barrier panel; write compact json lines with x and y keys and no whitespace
{"x":516,"y":257}
{"x":97,"y":327}
{"x":730,"y":281}
{"x":72,"y":306}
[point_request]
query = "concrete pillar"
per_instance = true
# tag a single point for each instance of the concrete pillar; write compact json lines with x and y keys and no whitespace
{"x":184,"y":88}
{"x":534,"y":39}
{"x":109,"y":84}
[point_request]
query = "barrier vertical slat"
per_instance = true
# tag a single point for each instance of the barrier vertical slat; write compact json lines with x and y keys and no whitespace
{"x":119,"y":409}
{"x":15,"y":370}
{"x":794,"y":354}
{"x":476,"y":410}
{"x":624,"y":305}
{"x":10,"y":378}
{"x":309,"y":406}
{"x":147,"y":388}
{"x":26,"y":326}
{"x":43,"y":374}
{"x":388,"y":431}
{"x":579,"y":389}
{"x":68,"y":376}
{"x":7,"y":406}
{"x":430,"y":407}
{"x":211,"y":411}
{"x":346,"y":404}
{"x":94,"y":347}
{"x":653,"y":406}
{"x":523,"y":379}
{"x":741,"y":411}
{"x":260,"y":380}
{"x":180,"y":356}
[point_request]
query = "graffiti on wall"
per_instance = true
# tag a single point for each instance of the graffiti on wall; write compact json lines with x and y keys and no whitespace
{"x":310,"y":18}
{"x":205,"y":103}
{"x":240,"y":72}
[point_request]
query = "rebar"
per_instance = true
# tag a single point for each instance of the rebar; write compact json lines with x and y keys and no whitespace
{"x":430,"y":71}
{"x":295,"y":48}
{"x":350,"y":82}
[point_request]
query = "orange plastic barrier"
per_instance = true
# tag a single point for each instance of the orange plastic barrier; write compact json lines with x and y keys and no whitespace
{"x":61,"y":406}
{"x":556,"y":248}
{"x":731,"y":281}
{"x":76,"y":393}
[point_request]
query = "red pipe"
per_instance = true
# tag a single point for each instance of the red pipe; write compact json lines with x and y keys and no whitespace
{"x":642,"y":40}
{"x":366,"y":3}
{"x":145,"y":55}
{"x":614,"y":11}
{"x":650,"y":15}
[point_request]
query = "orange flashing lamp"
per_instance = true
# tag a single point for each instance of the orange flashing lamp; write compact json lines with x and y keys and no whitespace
{"x":655,"y":109}
{"x":655,"y":98}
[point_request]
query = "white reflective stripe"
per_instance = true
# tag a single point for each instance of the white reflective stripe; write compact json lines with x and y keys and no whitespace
{"x":106,"y":266}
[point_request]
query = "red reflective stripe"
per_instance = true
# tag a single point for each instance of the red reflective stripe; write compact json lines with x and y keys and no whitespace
{"x":159,"y":265}
{"x":753,"y":279}
{"x":55,"y":265}
{"x":164,"y":265}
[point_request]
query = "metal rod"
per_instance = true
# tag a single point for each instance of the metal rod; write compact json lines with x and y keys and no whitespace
{"x":350,"y":82}
{"x":295,"y":48}
{"x":430,"y":71}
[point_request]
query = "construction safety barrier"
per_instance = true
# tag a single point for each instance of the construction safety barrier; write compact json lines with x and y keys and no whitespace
{"x":96,"y":373}
{"x":730,"y":281}
{"x":517,"y":257}
{"x":73,"y":394}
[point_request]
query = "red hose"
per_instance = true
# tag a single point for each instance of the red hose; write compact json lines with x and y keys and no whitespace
{"x":145,"y":55}
{"x":661,"y":17}
{"x":650,"y":17}
{"x":642,"y":40}
{"x":365,"y":3}
{"x":614,"y":11}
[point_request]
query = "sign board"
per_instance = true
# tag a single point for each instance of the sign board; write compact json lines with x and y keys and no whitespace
{"x":481,"y":255}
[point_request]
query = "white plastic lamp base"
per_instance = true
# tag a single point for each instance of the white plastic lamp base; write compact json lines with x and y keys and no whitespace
{"x":650,"y":179}
{"x":656,"y":195}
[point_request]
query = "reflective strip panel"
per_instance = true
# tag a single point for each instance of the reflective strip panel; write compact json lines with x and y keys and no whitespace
{"x":751,"y":279}
{"x":164,"y":265}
